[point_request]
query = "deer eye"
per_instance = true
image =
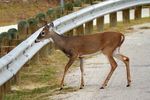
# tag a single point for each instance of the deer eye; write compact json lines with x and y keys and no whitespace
{"x":42,"y":33}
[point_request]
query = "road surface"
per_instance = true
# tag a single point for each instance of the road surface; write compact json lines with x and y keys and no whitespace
{"x":137,"y":48}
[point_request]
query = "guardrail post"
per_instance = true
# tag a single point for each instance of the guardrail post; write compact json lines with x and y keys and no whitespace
{"x":23,"y":29}
{"x":113,"y":19}
{"x":69,"y":33}
{"x":16,"y":78}
{"x":88,"y":27}
{"x":95,"y":2}
{"x":1,"y":93}
{"x":76,"y":8}
{"x":126,"y":15}
{"x":138,"y":12}
{"x":44,"y":51}
{"x":100,"y":23}
{"x":7,"y":86}
{"x":35,"y":59}
{"x":85,"y":5}
{"x":79,"y":30}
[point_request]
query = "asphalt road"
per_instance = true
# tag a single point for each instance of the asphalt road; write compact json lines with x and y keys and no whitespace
{"x":137,"y":48}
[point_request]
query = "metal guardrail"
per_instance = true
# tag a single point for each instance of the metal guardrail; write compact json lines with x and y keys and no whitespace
{"x":11,"y":63}
{"x":75,"y":19}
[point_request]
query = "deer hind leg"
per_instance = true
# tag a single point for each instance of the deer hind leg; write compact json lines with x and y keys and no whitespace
{"x":70,"y":62}
{"x":113,"y":67}
{"x":81,"y":68}
{"x":126,"y":62}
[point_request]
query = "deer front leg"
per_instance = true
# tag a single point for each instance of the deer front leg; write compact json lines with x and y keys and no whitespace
{"x":82,"y":71}
{"x":113,"y":67}
{"x":70,"y":62}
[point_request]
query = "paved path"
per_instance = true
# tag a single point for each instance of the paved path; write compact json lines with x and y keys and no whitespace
{"x":137,"y":47}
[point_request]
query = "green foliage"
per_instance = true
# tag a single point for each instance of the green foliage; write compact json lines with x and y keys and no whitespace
{"x":58,"y":12}
{"x":12,"y":33}
{"x":77,"y":3}
{"x":83,"y":1}
{"x":22,"y":25}
{"x":69,"y":6}
{"x":40,"y":16}
{"x":3,"y":35}
{"x":50,"y":12}
{"x":32,"y":22}
{"x":87,"y":1}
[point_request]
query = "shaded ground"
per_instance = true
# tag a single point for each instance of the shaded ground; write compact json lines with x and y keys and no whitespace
{"x":137,"y":48}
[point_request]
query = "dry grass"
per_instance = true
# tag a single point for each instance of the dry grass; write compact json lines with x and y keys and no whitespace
{"x":11,"y":13}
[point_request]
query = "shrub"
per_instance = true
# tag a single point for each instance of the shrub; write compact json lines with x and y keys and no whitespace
{"x":12,"y":33}
{"x":69,"y":6}
{"x":33,"y":25}
{"x":50,"y":12}
{"x":22,"y":26}
{"x":40,"y":16}
{"x":77,"y":3}
{"x":58,"y":12}
{"x":32,"y":22}
{"x":3,"y":35}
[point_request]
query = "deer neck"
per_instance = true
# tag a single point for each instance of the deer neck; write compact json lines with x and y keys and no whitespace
{"x":58,"y":40}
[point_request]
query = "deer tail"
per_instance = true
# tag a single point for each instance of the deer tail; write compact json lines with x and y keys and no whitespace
{"x":121,"y":41}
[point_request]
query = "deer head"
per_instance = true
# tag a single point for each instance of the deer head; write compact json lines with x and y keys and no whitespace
{"x":45,"y":33}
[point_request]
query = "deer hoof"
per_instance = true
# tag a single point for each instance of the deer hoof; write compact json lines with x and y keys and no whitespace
{"x":60,"y":88}
{"x":128,"y":85}
{"x":81,"y":87}
{"x":102,"y":87}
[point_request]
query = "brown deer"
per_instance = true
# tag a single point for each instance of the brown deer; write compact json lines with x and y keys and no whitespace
{"x":77,"y":46}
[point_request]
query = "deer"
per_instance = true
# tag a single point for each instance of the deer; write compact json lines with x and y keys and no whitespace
{"x":75,"y":47}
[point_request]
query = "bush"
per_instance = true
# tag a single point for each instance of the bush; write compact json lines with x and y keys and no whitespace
{"x":40,"y":16}
{"x":50,"y":12}
{"x":32,"y":22}
{"x":4,"y":35}
{"x":22,"y":25}
{"x":12,"y":33}
{"x":69,"y":6}
{"x":33,"y":25}
{"x":58,"y":12}
{"x":77,"y":3}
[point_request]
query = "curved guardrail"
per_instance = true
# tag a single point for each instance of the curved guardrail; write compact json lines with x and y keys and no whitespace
{"x":75,"y":19}
{"x":13,"y":61}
